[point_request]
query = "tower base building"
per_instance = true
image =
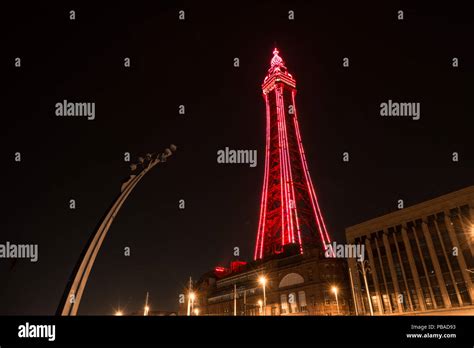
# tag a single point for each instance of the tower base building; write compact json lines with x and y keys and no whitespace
{"x":295,"y":284}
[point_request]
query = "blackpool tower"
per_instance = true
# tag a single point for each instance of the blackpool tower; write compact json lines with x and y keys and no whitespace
{"x":289,"y":212}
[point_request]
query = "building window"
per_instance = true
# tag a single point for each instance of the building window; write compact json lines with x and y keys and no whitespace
{"x":375,"y":304}
{"x":310,"y":274}
{"x":302,"y":301}
{"x":284,"y":304}
{"x":327,"y":298}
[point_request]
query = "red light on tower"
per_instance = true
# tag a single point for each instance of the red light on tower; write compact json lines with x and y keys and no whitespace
{"x":289,"y":212}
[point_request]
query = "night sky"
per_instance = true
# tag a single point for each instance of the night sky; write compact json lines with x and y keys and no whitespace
{"x":191,"y":62}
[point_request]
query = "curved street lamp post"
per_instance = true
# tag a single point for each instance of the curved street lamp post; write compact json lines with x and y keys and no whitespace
{"x":75,"y":287}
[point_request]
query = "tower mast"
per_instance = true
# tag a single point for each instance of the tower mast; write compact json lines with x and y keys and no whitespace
{"x":289,"y":210}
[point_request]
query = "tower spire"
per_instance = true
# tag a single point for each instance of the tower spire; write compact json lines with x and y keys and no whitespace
{"x":277,"y":63}
{"x":289,"y":212}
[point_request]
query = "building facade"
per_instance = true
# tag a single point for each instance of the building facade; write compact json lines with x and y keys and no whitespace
{"x":420,"y":258}
{"x":296,"y":284}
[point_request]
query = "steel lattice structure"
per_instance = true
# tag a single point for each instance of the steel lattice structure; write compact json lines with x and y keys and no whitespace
{"x":289,"y":212}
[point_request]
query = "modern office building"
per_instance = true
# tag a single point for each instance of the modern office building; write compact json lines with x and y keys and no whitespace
{"x":420,"y":258}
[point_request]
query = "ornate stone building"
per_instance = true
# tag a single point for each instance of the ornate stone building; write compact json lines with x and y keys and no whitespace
{"x":295,"y":285}
{"x":420,"y":257}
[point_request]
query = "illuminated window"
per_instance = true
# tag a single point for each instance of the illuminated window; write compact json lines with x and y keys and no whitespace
{"x":302,"y":301}
{"x":284,"y":304}
{"x":327,"y":298}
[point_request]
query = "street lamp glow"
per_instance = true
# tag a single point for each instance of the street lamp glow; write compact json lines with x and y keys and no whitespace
{"x":334,"y":290}
{"x":146,"y":309}
{"x":118,"y":313}
{"x":196,"y":311}
{"x":263,"y":280}
{"x":192,"y":297}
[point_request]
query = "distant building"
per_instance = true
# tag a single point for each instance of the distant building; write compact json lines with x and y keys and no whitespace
{"x":420,"y":257}
{"x":297,"y":284}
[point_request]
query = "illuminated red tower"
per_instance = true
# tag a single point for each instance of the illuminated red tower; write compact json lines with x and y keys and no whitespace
{"x":289,"y":212}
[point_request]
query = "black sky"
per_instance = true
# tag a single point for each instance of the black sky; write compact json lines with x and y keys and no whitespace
{"x":191,"y":63}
